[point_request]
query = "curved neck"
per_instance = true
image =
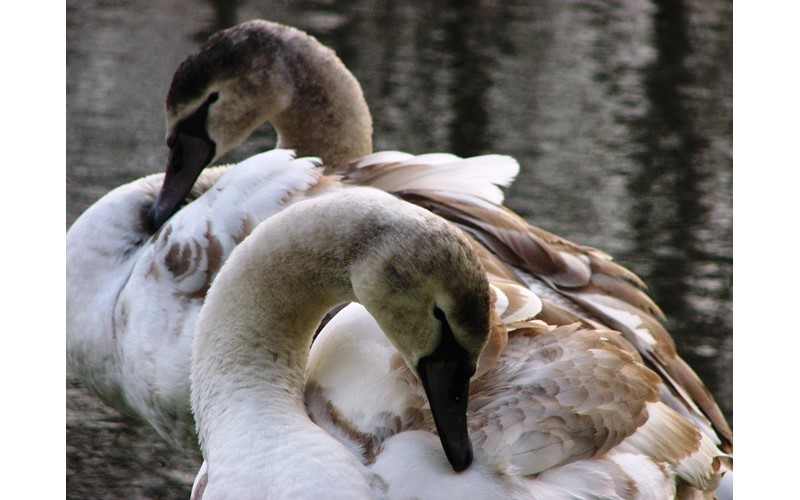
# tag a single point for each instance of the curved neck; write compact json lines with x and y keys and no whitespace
{"x":250,"y":353}
{"x":328,"y":115}
{"x":251,"y":346}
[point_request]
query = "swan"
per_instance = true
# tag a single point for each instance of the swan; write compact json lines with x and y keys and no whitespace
{"x":262,"y":72}
{"x":557,"y":405}
{"x":414,"y":272}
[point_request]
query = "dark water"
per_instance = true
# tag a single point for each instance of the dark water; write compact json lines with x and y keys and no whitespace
{"x":620,"y":114}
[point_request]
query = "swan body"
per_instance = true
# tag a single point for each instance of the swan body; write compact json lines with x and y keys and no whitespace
{"x":213,"y":105}
{"x":417,"y":276}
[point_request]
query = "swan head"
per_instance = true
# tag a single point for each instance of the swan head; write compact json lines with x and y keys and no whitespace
{"x":433,"y":303}
{"x":242,"y":77}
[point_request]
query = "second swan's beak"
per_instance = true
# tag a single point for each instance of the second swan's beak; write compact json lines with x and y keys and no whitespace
{"x":188,"y":156}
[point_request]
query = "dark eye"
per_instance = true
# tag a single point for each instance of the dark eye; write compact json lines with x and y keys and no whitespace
{"x":171,"y":140}
{"x":212,"y":97}
{"x":439,"y":314}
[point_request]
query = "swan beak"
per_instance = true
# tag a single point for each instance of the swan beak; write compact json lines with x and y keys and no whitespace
{"x":445,"y":376}
{"x":188,"y":156}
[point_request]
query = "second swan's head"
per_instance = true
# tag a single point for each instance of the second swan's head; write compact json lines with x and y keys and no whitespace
{"x":250,"y":74}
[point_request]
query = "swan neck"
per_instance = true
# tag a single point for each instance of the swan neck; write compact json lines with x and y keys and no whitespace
{"x":254,"y":334}
{"x":256,"y":370}
{"x":328,"y":115}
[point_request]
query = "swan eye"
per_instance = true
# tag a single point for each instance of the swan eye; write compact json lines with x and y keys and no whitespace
{"x":439,"y":314}
{"x":212,"y":97}
{"x":172,"y":140}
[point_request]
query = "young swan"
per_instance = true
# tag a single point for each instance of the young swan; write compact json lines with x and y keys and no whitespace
{"x":259,"y":72}
{"x":414,"y":272}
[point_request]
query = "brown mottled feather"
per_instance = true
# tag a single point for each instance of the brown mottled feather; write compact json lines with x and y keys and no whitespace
{"x":566,"y":392}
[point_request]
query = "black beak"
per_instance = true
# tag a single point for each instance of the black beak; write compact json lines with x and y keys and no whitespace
{"x":188,"y":156}
{"x":445,"y":376}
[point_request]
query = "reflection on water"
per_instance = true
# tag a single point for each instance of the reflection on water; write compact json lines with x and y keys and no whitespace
{"x":620,"y":114}
{"x":680,"y":187}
